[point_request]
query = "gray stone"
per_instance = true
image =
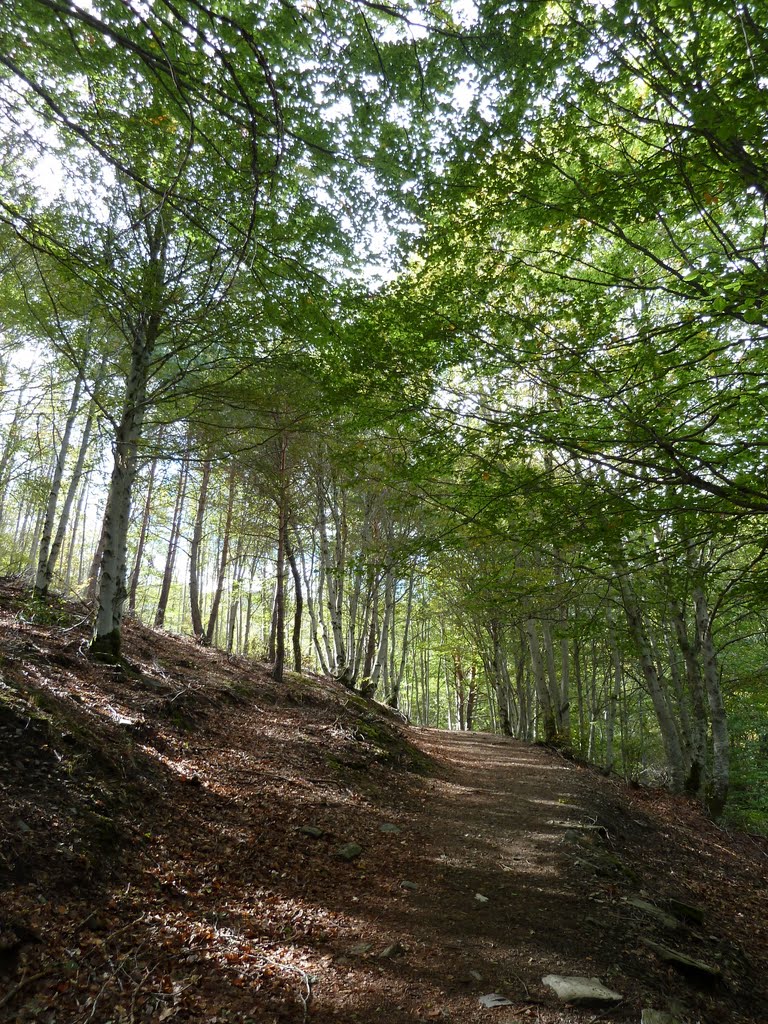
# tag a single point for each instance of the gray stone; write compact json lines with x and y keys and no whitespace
{"x":389,"y":827}
{"x":657,"y":1017}
{"x":409,"y":885}
{"x":479,"y":898}
{"x":395,"y":949}
{"x":494,"y":999}
{"x":655,"y":912}
{"x":681,"y":960}
{"x":312,"y":830}
{"x":349,"y":851}
{"x":22,"y":826}
{"x":474,"y":975}
{"x":581,"y":991}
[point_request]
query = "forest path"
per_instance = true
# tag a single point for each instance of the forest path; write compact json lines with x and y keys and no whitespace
{"x":502,"y":899}
{"x":173,"y":849}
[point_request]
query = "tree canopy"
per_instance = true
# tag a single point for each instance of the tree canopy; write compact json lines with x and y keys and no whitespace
{"x":438,"y":328}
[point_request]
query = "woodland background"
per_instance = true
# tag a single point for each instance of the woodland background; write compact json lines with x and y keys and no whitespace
{"x":418,"y":343}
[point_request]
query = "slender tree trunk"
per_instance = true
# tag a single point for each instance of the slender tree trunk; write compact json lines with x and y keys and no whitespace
{"x":333,"y":575}
{"x":655,"y":685}
{"x":394,"y":698}
{"x":95,"y":569}
{"x":223,"y":561}
{"x":81,"y":502}
{"x":282,"y":531}
{"x":321,"y":599}
{"x":501,"y":677}
{"x":298,"y":605}
{"x":77,"y":475}
{"x":44,"y":573}
{"x":548,"y":724}
{"x":614,"y":697}
{"x":235,"y":595}
{"x":134,"y":584}
{"x":370,"y":648}
{"x":460,"y":690}
{"x":579,"y":693}
{"x":471,"y":699}
{"x":173,"y":546}
{"x":11,"y":446}
{"x":717,"y":794}
{"x":380,"y":670}
{"x":313,"y":624}
{"x":194,"y":554}
{"x":697,"y":772}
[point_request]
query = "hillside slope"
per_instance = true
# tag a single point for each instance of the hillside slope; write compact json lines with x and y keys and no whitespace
{"x":189,"y":841}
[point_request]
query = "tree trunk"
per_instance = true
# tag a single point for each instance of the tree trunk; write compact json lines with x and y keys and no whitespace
{"x":696,"y":779}
{"x":471,"y":699}
{"x":717,"y":794}
{"x":501,"y":678}
{"x":370,"y":647}
{"x":134,"y":585}
{"x":655,"y":685}
{"x":77,"y":475}
{"x":44,"y":571}
{"x":144,"y":334}
{"x":282,"y":530}
{"x":298,"y":606}
{"x":322,"y":661}
{"x":81,"y":502}
{"x":333,"y":576}
{"x":111,"y":581}
{"x":173,"y":546}
{"x":194,"y":554}
{"x":548,"y":720}
{"x":235,"y":595}
{"x":11,"y":446}
{"x":394,"y":697}
{"x":613,"y":698}
{"x":380,"y":670}
{"x":223,"y":561}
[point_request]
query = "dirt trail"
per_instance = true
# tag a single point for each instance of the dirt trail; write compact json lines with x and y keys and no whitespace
{"x":555,"y":851}
{"x":494,"y":828}
{"x":170,"y":851}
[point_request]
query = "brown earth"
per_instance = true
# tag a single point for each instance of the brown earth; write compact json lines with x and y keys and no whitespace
{"x":153,"y":865}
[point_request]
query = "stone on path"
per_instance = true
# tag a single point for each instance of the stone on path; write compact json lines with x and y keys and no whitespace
{"x":312,"y":830}
{"x":480,"y":898}
{"x":657,"y":1017}
{"x":389,"y":827}
{"x":349,"y":851}
{"x":494,"y":999}
{"x":395,"y":949}
{"x":581,"y":991}
{"x":409,"y":885}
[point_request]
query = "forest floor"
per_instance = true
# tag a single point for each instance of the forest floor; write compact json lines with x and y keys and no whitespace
{"x":173,"y":844}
